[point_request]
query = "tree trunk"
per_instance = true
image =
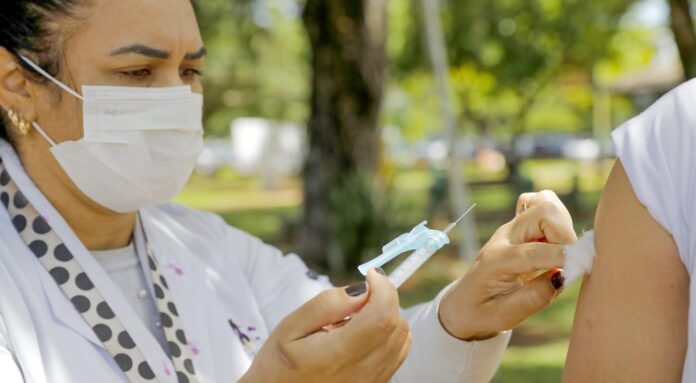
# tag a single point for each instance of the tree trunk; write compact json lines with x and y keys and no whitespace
{"x":683,"y":28}
{"x":347,"y":39}
{"x":458,"y":190}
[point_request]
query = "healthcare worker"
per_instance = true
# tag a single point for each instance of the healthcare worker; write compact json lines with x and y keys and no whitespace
{"x":102,"y":280}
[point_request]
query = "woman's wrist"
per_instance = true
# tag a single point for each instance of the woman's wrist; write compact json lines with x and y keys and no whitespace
{"x":453,"y":320}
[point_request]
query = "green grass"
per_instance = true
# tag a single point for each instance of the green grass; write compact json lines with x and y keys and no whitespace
{"x":533,"y":364}
{"x":538,"y":347}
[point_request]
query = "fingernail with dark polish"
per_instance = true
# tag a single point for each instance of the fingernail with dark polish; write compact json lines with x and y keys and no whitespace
{"x":356,"y":289}
{"x":557,"y":280}
{"x":380,"y":270}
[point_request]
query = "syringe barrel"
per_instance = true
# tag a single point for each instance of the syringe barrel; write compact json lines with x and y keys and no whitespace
{"x":413,"y":263}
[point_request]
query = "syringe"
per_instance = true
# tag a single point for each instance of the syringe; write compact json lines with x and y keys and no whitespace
{"x":424,"y":241}
{"x":437,"y":241}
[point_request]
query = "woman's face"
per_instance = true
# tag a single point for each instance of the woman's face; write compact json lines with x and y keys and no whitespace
{"x":135,"y":43}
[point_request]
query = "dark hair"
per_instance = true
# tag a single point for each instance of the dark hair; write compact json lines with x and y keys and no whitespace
{"x":24,"y":28}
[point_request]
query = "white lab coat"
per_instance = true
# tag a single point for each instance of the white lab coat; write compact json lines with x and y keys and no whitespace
{"x":216,"y":274}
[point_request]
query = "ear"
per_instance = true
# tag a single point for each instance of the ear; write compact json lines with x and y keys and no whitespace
{"x":14,"y":94}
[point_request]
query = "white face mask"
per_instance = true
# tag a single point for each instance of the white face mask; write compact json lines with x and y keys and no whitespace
{"x":139,"y":146}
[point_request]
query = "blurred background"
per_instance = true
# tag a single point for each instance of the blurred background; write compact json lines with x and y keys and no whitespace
{"x":335,"y":125}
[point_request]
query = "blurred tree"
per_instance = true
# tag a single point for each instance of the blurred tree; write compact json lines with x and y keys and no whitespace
{"x":257,"y":62}
{"x":510,"y":55}
{"x":341,"y":216}
{"x":682,"y":25}
{"x":262,"y":62}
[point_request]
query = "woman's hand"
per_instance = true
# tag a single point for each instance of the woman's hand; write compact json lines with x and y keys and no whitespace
{"x":370,"y":347}
{"x":502,"y":287}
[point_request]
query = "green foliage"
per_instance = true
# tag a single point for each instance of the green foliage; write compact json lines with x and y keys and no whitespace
{"x":519,"y":40}
{"x":516,"y":65}
{"x":629,"y":49}
{"x":254,"y":68}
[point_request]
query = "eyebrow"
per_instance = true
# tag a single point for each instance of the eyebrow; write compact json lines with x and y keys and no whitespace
{"x":142,"y":50}
{"x":156,"y":53}
{"x":196,"y":55}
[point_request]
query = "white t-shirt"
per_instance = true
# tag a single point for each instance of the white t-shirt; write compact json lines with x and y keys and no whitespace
{"x":123,"y":266}
{"x":657,"y":149}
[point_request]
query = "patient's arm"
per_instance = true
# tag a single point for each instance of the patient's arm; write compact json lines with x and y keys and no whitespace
{"x":631,"y":319}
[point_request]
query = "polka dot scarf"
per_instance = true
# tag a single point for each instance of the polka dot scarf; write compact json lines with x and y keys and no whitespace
{"x":77,"y":286}
{"x":171,"y":323}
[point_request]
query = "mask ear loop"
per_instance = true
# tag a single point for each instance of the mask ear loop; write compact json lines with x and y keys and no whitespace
{"x":55,"y":81}
{"x":41,"y":131}
{"x":48,"y":76}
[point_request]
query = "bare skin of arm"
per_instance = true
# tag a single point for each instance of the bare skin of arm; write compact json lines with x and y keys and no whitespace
{"x":631,"y":319}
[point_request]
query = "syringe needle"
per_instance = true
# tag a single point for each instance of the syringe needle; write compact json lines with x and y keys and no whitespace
{"x":465,"y":214}
{"x":453,"y":224}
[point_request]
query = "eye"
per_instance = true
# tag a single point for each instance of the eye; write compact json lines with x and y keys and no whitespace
{"x":191,"y":73}
{"x":137,"y":73}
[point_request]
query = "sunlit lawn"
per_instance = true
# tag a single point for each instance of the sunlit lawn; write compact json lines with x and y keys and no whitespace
{"x":538,"y":348}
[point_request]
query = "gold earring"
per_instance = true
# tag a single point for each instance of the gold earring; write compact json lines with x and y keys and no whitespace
{"x":19,"y":123}
{"x":13,"y":118}
{"x":23,"y":127}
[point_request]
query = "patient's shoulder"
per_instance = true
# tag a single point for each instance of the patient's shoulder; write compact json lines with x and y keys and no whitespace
{"x":632,"y":315}
{"x":656,"y":151}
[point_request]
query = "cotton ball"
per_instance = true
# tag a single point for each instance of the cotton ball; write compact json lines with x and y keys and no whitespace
{"x":579,"y":258}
